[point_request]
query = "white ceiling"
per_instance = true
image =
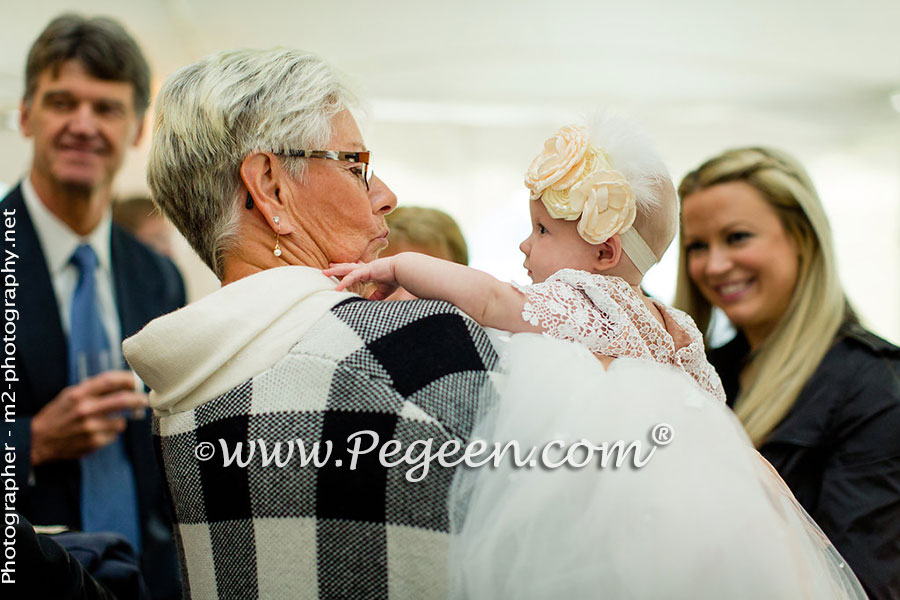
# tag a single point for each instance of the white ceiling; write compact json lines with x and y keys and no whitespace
{"x":463,"y":92}
{"x":798,"y":73}
{"x":832,"y":59}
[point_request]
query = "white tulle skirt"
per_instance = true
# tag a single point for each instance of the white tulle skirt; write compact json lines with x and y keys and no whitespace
{"x":704,"y":517}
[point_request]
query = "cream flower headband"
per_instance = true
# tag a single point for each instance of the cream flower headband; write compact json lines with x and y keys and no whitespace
{"x":575,"y":180}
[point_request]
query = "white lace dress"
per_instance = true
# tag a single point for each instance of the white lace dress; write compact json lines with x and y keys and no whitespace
{"x":606,"y":315}
{"x":705,"y":518}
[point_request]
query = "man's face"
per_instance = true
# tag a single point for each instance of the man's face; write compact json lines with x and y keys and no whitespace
{"x":81,"y":127}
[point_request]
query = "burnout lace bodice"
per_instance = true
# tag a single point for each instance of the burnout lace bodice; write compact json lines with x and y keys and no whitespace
{"x":605,"y":314}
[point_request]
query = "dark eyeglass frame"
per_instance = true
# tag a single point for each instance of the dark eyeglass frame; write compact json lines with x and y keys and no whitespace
{"x":362,"y":157}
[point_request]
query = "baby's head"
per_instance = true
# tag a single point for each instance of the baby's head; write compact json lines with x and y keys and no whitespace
{"x":601,"y":201}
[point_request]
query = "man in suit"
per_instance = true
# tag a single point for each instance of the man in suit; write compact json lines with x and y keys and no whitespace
{"x":82,"y":459}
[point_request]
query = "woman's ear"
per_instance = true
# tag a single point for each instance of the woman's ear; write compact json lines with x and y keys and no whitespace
{"x":609,"y":253}
{"x":264,"y":179}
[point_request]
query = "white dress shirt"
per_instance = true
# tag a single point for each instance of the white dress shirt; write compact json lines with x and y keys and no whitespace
{"x":58,"y":243}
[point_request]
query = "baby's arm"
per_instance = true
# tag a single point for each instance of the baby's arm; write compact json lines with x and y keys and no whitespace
{"x":490,"y":302}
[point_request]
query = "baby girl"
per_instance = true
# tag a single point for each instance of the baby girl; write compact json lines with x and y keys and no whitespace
{"x":603,"y":211}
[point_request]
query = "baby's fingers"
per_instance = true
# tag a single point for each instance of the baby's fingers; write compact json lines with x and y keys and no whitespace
{"x":340,"y":269}
{"x":351,"y":278}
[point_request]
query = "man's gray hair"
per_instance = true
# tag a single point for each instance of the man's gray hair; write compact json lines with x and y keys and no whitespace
{"x":210,"y":115}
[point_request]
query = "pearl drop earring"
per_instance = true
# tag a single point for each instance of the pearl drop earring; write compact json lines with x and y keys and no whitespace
{"x":277,"y":221}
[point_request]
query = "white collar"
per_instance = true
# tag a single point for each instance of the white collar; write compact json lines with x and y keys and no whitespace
{"x":212,"y":345}
{"x":57,"y":240}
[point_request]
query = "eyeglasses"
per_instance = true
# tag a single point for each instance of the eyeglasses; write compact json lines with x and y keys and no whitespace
{"x":354,"y":157}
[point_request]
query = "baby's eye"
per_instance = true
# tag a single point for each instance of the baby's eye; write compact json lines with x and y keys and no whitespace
{"x":541,"y":229}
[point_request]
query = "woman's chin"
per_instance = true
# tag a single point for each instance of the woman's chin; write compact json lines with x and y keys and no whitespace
{"x":741,"y":316}
{"x":374,"y":250}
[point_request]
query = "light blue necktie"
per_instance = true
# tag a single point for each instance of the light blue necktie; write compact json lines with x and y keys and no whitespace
{"x":108,"y":496}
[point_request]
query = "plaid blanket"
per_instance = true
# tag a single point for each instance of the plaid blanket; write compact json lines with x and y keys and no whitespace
{"x":403,"y":371}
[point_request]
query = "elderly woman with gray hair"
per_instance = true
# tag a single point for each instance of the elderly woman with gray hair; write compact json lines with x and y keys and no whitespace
{"x":274,"y":395}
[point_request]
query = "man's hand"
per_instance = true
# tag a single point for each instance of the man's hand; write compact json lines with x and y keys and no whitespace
{"x":84,"y":417}
{"x":380,"y":271}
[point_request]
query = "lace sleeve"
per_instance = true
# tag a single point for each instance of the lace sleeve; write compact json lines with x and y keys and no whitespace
{"x":565,"y":311}
{"x":692,"y":358}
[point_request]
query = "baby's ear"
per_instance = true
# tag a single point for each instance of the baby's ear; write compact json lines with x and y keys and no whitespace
{"x":609,"y":253}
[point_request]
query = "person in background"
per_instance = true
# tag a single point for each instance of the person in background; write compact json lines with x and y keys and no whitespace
{"x":84,"y":285}
{"x":138,"y":216}
{"x":818,"y":393}
{"x":426,"y":231}
{"x":75,"y":565}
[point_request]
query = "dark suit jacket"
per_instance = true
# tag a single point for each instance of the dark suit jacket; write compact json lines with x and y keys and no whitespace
{"x":146,"y":286}
{"x":105,"y":566}
{"x":838,"y":449}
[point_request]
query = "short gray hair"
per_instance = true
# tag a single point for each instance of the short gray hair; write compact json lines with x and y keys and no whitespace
{"x":213,"y":113}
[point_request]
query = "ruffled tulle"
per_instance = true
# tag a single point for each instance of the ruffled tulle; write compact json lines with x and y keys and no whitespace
{"x":705,"y":517}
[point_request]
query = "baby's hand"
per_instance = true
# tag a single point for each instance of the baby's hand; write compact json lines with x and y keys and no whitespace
{"x":380,"y":271}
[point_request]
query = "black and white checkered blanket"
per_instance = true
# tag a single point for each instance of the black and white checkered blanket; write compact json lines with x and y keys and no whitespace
{"x":405,"y":371}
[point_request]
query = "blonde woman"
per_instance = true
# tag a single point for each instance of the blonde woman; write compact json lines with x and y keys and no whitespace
{"x":818,"y":394}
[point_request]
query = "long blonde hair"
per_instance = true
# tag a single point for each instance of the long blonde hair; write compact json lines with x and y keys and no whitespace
{"x":779,"y":368}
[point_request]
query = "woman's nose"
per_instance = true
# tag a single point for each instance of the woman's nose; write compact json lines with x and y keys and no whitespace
{"x":718,"y":261}
{"x":383,"y":199}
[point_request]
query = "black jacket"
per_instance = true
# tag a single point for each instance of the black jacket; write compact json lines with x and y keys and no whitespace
{"x":74,"y":566}
{"x":838,"y":449}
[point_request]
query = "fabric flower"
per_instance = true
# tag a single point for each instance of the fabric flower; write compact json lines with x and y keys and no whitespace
{"x":575,"y":180}
{"x":609,"y":205}
{"x":561,"y":161}
{"x":561,"y":200}
{"x":560,"y":204}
